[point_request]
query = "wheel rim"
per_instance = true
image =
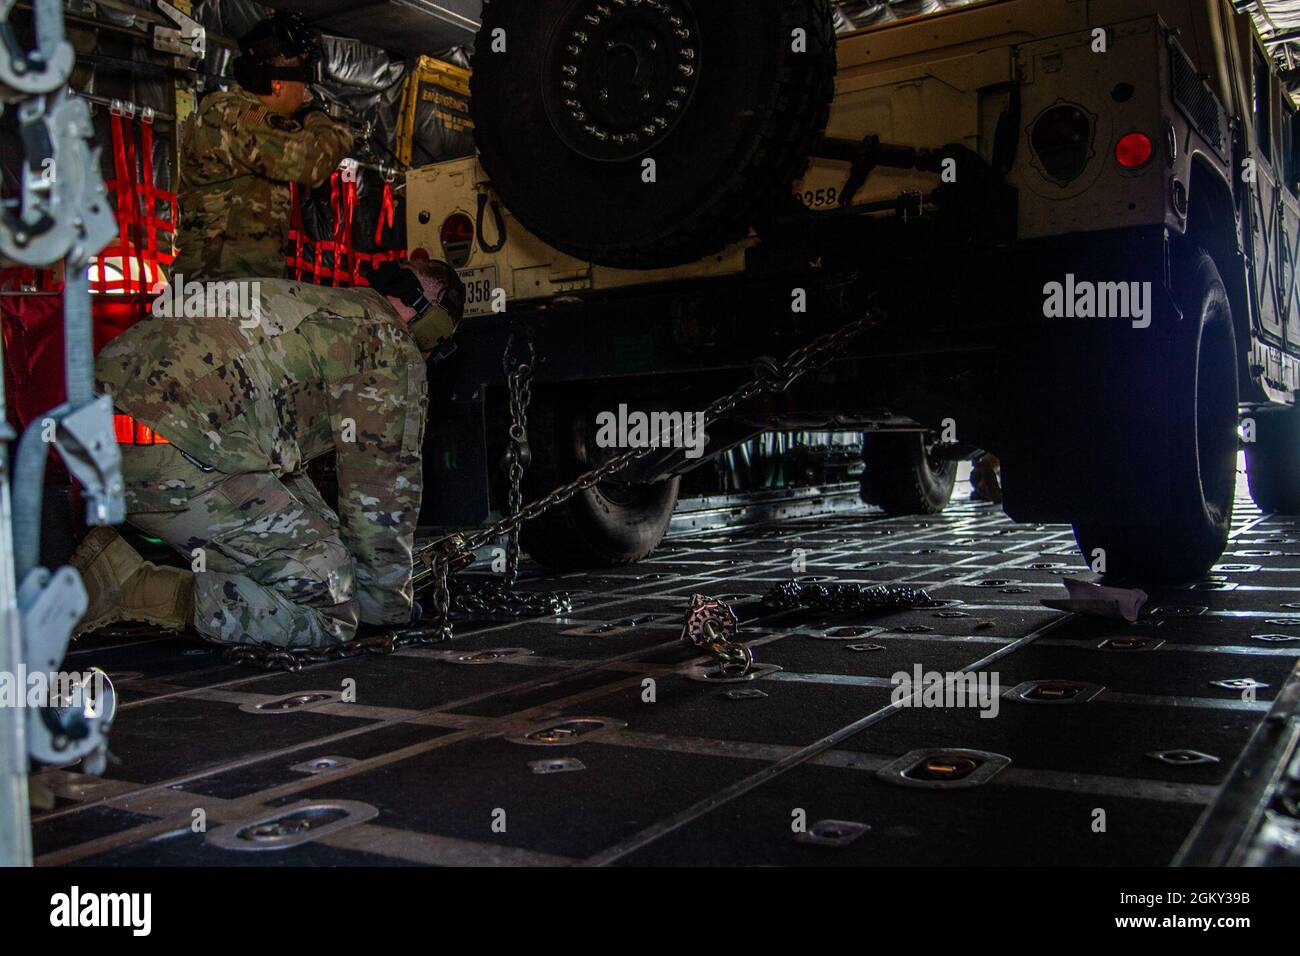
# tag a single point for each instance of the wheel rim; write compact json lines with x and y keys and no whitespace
{"x":930,"y":448}
{"x":614,"y":490}
{"x":620,"y":75}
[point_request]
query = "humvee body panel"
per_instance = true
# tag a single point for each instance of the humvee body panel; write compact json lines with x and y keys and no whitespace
{"x":526,"y":268}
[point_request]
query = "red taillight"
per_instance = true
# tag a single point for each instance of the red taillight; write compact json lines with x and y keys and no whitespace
{"x":130,"y":432}
{"x":1134,"y":151}
{"x":458,"y":228}
{"x":457,"y":237}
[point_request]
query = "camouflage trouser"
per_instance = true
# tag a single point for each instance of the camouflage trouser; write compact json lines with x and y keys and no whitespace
{"x":270,"y":565}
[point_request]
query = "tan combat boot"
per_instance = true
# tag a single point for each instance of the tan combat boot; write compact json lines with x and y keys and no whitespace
{"x":122,"y":586}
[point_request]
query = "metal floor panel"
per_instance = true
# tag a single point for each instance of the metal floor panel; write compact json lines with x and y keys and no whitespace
{"x":428,"y":760}
{"x":993,"y":826}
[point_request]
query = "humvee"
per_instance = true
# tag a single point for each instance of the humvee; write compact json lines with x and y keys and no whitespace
{"x":1078,"y":220}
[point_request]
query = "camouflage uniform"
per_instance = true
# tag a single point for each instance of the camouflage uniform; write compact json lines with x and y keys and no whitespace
{"x":244,"y":410}
{"x":237,"y":161}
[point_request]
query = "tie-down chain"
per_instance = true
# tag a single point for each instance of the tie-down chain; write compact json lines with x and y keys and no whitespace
{"x":438,"y":562}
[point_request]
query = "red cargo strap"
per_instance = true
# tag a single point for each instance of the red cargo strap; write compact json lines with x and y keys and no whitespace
{"x":299,"y":266}
{"x":387,"y":213}
{"x":136,"y":199}
{"x":343,"y":198}
{"x":152,"y":194}
{"x":122,"y":185}
{"x":307,"y":259}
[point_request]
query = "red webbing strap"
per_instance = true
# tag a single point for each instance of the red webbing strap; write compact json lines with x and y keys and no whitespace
{"x":319,"y":248}
{"x":387,"y":218}
{"x":387,"y":214}
{"x":154,"y":223}
{"x":306,"y":261}
{"x":299,"y":264}
{"x":343,"y":199}
{"x":120,"y":189}
{"x":136,"y":196}
{"x":347,"y":214}
{"x":130,"y":197}
{"x":296,"y":235}
{"x":150,"y":230}
{"x":336,"y":216}
{"x":293,"y":260}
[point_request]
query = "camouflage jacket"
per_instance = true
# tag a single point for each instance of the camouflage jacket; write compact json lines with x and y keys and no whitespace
{"x":319,"y":370}
{"x":237,"y":161}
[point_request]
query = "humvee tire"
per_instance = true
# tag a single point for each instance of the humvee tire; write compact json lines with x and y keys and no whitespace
{"x":606,"y":526}
{"x":1195,"y":516}
{"x":902,"y":477}
{"x":1273,"y":461}
{"x":727,"y":140}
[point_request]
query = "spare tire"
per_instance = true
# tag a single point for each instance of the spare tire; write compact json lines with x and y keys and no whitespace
{"x":571,"y":98}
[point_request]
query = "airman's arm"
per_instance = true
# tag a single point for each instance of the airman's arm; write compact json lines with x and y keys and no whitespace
{"x":305,"y":154}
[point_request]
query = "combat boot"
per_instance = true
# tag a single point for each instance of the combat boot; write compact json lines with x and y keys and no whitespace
{"x":123,"y":586}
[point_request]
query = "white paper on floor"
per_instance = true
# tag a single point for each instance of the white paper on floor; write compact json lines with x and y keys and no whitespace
{"x":1099,"y":601}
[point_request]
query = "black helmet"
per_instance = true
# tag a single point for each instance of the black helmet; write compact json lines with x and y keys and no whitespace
{"x":285,"y":35}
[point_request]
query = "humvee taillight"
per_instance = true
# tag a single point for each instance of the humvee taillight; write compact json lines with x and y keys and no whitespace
{"x":1062,"y":139}
{"x":457,"y":238}
{"x":1134,"y":150}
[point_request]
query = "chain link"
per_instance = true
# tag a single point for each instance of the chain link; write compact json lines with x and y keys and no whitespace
{"x":480,"y":598}
{"x":438,"y":561}
{"x":769,"y":376}
{"x":284,"y":659}
{"x":519,"y":375}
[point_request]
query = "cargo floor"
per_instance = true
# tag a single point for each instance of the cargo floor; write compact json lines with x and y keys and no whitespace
{"x":443,"y":756}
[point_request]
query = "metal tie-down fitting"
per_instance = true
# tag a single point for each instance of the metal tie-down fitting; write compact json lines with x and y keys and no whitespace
{"x":711,"y":626}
